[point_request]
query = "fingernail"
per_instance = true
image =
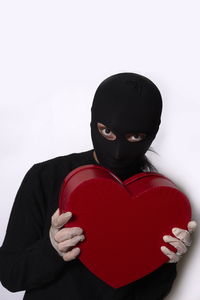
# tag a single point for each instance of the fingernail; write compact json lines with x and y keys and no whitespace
{"x":82,"y":238}
{"x":68,"y":214}
{"x":174,"y":230}
{"x":165,"y":237}
{"x":77,"y":250}
{"x":79,"y":231}
{"x":163,"y":248}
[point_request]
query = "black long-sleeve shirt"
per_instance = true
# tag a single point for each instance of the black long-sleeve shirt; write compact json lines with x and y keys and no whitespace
{"x":29,"y":262}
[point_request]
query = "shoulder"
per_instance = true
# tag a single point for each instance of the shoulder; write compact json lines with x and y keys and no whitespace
{"x":65,"y":159}
{"x":60,"y":164}
{"x":55,"y":161}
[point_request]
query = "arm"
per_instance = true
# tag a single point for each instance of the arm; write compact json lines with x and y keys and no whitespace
{"x":27,"y":258}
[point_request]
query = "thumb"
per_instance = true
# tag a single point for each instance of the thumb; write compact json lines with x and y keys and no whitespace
{"x":192,"y":226}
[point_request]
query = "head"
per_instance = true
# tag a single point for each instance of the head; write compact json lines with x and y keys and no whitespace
{"x":126,"y":114}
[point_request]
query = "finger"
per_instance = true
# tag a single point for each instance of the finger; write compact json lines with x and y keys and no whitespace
{"x":173,"y":257}
{"x":67,"y":233}
{"x":192,"y":225}
{"x":182,"y":235}
{"x":180,"y":246}
{"x":56,"y":214}
{"x":63,"y":246}
{"x":61,"y":220}
{"x":71,"y":254}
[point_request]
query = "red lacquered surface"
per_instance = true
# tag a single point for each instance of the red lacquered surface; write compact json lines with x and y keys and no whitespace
{"x":123,"y":222}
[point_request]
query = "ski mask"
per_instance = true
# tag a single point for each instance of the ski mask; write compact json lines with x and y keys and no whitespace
{"x":125,"y":103}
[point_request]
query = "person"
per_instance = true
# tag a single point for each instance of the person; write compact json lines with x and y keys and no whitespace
{"x":38,"y":254}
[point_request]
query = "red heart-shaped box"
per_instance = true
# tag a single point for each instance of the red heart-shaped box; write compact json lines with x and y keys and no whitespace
{"x":123,"y":222}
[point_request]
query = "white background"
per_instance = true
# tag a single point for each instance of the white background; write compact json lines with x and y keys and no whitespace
{"x":53,"y":56}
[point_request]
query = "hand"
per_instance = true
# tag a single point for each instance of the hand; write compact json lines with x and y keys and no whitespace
{"x":63,"y":239}
{"x":181,"y":242}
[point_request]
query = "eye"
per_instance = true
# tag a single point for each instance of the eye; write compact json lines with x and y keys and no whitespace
{"x":135,"y":137}
{"x":106,"y":132}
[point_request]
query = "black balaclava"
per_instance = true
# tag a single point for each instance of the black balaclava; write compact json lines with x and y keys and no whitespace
{"x":125,"y":103}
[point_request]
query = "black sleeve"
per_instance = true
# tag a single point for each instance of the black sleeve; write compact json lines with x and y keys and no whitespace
{"x":27,"y":258}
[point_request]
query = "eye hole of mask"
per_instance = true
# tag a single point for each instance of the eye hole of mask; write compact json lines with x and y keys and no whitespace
{"x":109,"y":135}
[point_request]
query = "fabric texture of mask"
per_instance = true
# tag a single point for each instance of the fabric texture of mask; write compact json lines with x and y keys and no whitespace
{"x":125,"y":103}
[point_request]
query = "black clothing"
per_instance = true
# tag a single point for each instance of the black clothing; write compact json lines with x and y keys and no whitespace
{"x":127,"y":104}
{"x":29,"y":262}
